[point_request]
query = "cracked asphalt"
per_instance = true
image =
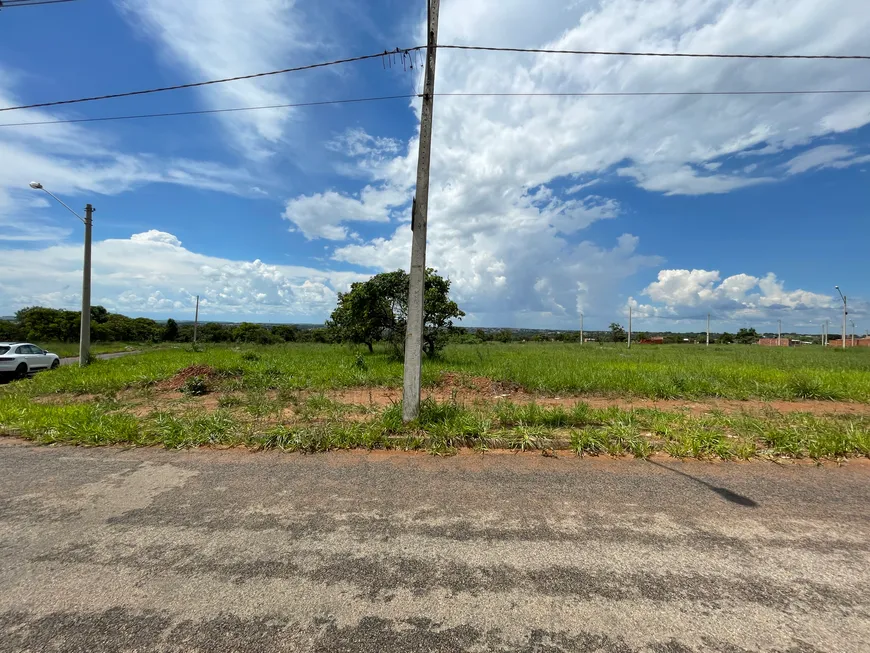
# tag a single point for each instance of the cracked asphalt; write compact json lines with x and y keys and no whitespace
{"x":150,"y":550}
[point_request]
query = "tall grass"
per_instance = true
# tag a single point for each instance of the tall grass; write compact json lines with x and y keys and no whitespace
{"x":735,"y":372}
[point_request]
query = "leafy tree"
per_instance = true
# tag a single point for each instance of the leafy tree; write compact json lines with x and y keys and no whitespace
{"x":505,"y":335}
{"x":286,"y":332}
{"x":377,"y":309}
{"x":641,"y":336}
{"x":99,"y":314}
{"x":363,"y":314}
{"x":213,"y":332}
{"x":256,"y":333}
{"x":170,"y":333}
{"x":617,"y":333}
{"x":482,"y":335}
{"x":39,"y":323}
{"x":747,"y":336}
{"x":10,"y":330}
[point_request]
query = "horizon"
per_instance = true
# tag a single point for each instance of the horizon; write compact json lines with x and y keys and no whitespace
{"x":751,"y":206}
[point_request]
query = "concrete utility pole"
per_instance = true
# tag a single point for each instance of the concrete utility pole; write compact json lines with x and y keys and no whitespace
{"x":779,"y":334}
{"x":196,"y":320}
{"x":88,"y":221}
{"x":708,"y":329}
{"x":825,"y":342}
{"x":417,"y":285}
{"x":85,"y":335}
{"x":629,"y":327}
{"x":853,"y":332}
{"x":845,"y":313}
{"x":581,"y":328}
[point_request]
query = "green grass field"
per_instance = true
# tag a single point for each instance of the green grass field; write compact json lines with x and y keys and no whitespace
{"x":659,"y":372}
{"x":276,"y":396}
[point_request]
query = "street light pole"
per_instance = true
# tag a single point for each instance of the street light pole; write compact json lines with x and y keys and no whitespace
{"x":88,"y":221}
{"x":708,"y":329}
{"x":779,"y":334}
{"x":845,"y":313}
{"x":853,"y":332}
{"x":581,"y":328}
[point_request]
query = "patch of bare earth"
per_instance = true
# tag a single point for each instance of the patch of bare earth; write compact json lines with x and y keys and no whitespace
{"x":177,"y":381}
{"x":477,"y":389}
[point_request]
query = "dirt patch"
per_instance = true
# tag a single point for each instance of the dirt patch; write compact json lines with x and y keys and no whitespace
{"x":474,"y":389}
{"x":63,"y":398}
{"x":177,"y":382}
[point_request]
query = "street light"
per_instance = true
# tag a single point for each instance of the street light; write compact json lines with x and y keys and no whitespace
{"x":85,"y":336}
{"x":845,"y":313}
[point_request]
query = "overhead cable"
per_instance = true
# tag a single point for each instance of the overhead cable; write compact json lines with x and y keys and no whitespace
{"x":701,"y":55}
{"x":416,"y":95}
{"x":270,"y":73}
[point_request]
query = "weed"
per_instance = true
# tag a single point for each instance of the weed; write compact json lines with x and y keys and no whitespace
{"x":195,"y":386}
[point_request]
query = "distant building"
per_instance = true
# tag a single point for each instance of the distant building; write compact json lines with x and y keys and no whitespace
{"x":657,"y":340}
{"x":776,"y":342}
{"x":859,"y":342}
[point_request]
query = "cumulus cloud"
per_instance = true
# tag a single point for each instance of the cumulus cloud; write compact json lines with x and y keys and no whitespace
{"x":153,"y":273}
{"x":506,"y":209}
{"x":691,"y":294}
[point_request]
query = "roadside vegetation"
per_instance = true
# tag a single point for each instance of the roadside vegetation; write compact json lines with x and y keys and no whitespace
{"x":309,"y":397}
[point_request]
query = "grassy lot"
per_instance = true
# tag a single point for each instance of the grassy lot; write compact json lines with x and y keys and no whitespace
{"x":660,"y":372}
{"x":278,"y":397}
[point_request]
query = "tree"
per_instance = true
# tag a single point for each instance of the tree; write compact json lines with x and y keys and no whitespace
{"x":256,"y":333}
{"x":505,"y":335}
{"x":617,"y":333}
{"x":287,"y":332}
{"x":377,"y":309}
{"x":99,"y":314}
{"x":363,"y":314}
{"x":747,"y":336}
{"x":170,"y":333}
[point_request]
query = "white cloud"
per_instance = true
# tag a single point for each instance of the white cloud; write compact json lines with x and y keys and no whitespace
{"x":825,"y":156}
{"x":691,"y":294}
{"x":321,"y":215}
{"x":212,"y":39}
{"x":153,"y":273}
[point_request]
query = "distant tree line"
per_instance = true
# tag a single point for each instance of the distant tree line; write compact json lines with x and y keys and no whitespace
{"x":40,"y":324}
{"x":372,"y":311}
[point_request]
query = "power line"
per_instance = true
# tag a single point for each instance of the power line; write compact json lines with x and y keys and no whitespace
{"x":407,"y":50}
{"x":654,"y":93}
{"x":656,"y":54}
{"x":7,"y":4}
{"x":210,"y":111}
{"x":416,"y":95}
{"x":198,"y":84}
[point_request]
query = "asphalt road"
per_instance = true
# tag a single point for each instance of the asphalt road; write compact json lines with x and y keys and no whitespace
{"x":149,"y":550}
{"x":74,"y":360}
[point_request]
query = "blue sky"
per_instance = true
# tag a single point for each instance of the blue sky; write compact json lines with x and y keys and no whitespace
{"x":748,"y":207}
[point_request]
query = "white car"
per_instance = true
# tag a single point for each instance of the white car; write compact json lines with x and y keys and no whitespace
{"x":18,"y":359}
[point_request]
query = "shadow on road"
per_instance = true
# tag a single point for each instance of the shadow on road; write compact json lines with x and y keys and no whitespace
{"x":723,"y":492}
